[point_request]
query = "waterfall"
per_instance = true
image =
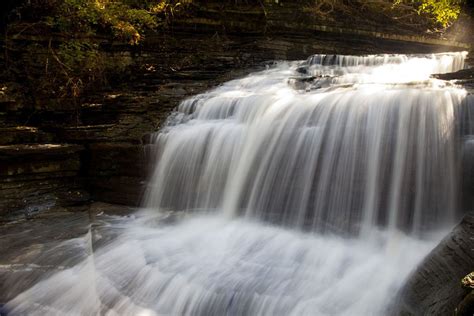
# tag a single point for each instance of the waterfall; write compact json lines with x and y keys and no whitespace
{"x":309,"y":188}
{"x":354,"y":143}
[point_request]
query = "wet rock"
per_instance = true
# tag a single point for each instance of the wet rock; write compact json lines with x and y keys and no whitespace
{"x":25,"y":243}
{"x":115,"y":172}
{"x":36,"y":177}
{"x":37,"y":151}
{"x":117,"y":189}
{"x":465,"y":74}
{"x":33,"y":248}
{"x":107,"y":159}
{"x":23,"y":134}
{"x":466,"y":307}
{"x":100,"y":208}
{"x":467,"y":182}
{"x":434,"y":287}
{"x":148,"y":138}
{"x":310,"y":82}
{"x":463,"y":77}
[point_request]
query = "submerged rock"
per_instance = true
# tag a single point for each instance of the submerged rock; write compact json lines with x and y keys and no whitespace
{"x":434,"y":288}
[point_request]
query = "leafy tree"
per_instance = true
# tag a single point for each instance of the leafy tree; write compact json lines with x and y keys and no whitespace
{"x":121,"y":20}
{"x":77,"y":63}
{"x":444,"y":12}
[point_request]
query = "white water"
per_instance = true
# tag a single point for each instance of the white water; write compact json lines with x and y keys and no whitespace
{"x":306,"y":188}
{"x":374,"y":145}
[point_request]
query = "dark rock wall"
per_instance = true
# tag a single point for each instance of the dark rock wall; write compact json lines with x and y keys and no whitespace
{"x":434,"y":288}
{"x":39,"y":176}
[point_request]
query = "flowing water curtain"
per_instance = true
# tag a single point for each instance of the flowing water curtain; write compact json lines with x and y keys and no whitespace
{"x":370,"y":140}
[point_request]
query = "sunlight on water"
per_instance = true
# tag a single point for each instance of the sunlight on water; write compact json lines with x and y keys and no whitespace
{"x":322,"y":156}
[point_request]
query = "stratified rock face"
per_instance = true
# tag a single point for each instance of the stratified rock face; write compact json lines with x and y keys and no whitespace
{"x":434,"y":288}
{"x":468,"y":173}
{"x":39,"y":176}
{"x":115,"y":172}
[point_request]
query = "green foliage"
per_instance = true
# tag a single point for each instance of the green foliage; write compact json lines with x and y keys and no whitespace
{"x":67,"y":59}
{"x":114,"y":17}
{"x":411,"y":12}
{"x":77,"y":64}
{"x":443,"y":12}
{"x":83,"y":65}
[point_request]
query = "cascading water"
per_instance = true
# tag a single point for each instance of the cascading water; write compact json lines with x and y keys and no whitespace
{"x":371,"y":141}
{"x":311,"y":188}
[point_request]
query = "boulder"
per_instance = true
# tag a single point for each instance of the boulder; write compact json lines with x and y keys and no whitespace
{"x":435,"y":288}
